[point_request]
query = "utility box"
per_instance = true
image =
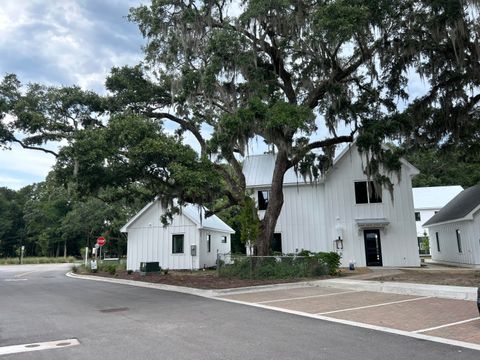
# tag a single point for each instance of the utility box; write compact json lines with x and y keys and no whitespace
{"x":149,"y":267}
{"x":193,"y":250}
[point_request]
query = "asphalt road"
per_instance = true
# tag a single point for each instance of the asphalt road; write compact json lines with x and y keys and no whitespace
{"x":122,"y":322}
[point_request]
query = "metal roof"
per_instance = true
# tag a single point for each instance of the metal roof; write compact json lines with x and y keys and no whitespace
{"x":459,"y":208}
{"x":258,"y":169}
{"x":195,"y":213}
{"x":434,"y":197}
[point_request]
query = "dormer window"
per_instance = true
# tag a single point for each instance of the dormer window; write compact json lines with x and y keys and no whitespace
{"x":366,"y":193}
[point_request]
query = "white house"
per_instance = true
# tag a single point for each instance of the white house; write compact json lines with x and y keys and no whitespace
{"x":376,"y":230}
{"x":455,"y":230}
{"x":191,"y":241}
{"x":427,"y":201}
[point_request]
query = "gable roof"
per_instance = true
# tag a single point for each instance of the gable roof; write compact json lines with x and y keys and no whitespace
{"x":193,"y":212}
{"x":461,"y":207}
{"x":434,"y":197}
{"x":258,"y":169}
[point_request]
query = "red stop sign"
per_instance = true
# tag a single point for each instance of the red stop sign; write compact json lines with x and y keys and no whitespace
{"x":101,"y":241}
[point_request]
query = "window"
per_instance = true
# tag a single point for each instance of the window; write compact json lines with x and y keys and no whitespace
{"x":365,"y":192}
{"x":177,"y":244}
{"x":276,"y":243}
{"x":459,"y":241}
{"x":263,"y":199}
{"x":224,"y":239}
{"x":438,"y":241}
{"x":417,"y":216}
{"x":209,"y":243}
{"x":423,"y":247}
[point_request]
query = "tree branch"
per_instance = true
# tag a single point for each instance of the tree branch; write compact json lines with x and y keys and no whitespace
{"x":29,"y":147}
{"x":184,"y":123}
{"x":319,"y":144}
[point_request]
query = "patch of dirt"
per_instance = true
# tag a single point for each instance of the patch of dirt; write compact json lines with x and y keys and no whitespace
{"x":454,"y":277}
{"x":200,"y":279}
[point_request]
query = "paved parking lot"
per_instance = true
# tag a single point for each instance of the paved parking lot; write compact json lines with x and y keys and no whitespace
{"x":442,"y":320}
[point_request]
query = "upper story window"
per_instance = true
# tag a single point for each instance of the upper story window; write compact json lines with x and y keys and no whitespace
{"x":263,"y":197}
{"x":366,"y":193}
{"x":417,"y":216}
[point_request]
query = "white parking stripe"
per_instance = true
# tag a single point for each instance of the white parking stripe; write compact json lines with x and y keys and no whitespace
{"x":436,"y":339}
{"x":15,"y":349}
{"x":306,"y":297}
{"x":372,"y":306}
{"x":447,"y":325}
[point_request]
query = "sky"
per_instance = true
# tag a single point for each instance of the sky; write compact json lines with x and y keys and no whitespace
{"x":69,"y":42}
{"x":61,"y":42}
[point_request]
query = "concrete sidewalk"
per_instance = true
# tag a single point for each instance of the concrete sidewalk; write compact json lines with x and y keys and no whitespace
{"x":440,"y":291}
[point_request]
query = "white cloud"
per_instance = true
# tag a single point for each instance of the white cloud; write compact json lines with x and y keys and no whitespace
{"x":32,"y":163}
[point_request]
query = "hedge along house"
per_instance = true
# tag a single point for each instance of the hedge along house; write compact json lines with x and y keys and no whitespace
{"x":374,"y":230}
{"x":427,"y":201}
{"x":455,"y":230}
{"x":190,"y":241}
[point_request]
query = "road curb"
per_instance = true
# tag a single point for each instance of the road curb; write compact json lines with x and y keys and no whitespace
{"x":143,"y":284}
{"x":440,"y":291}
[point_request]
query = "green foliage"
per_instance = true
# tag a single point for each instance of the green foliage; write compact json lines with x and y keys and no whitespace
{"x":37,"y":260}
{"x":281,"y":267}
{"x":445,"y":167}
{"x":249,"y":222}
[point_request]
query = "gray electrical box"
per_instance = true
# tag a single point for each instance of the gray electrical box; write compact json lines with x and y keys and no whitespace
{"x":193,"y":250}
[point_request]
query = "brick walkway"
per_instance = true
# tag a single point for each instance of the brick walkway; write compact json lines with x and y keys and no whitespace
{"x":442,"y":320}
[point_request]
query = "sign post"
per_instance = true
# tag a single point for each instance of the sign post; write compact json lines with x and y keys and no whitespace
{"x":86,"y":256}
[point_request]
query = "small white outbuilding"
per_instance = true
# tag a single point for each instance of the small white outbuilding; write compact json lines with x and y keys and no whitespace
{"x":455,"y":230}
{"x":427,"y":201}
{"x":190,"y":241}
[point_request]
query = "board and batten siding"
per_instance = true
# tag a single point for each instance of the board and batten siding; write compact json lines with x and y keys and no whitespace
{"x":149,"y":240}
{"x":309,"y":215}
{"x":302,"y":220}
{"x":209,"y":259}
{"x":470,"y":238}
{"x":398,"y":239}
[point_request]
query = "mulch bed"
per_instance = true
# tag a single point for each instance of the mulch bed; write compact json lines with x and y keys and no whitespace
{"x":200,"y":279}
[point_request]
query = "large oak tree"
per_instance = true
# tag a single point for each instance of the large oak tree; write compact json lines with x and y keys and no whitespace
{"x":304,"y":76}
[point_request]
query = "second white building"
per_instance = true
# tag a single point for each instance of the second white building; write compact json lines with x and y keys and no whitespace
{"x":375,"y":229}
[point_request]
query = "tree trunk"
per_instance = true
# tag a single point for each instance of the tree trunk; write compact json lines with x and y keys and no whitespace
{"x":65,"y":249}
{"x":275,"y":204}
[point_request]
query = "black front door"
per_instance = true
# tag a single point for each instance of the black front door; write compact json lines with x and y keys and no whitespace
{"x":373,"y":247}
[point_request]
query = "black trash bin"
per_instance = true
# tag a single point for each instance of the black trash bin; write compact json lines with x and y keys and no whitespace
{"x":149,"y":267}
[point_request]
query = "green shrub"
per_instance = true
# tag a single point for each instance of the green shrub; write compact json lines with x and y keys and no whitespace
{"x":282,"y":267}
